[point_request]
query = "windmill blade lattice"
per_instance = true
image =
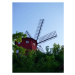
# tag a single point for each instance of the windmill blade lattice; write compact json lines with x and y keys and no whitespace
{"x":27,"y":33}
{"x":48,"y":37}
{"x":38,"y":29}
{"x":40,"y":48}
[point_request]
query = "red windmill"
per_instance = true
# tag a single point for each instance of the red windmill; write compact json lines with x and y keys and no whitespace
{"x":31,"y":43}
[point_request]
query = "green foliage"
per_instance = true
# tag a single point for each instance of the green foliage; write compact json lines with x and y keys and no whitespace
{"x":18,"y":36}
{"x":47,"y":49}
{"x":21,"y":49}
{"x":56,"y":48}
{"x":36,"y":61}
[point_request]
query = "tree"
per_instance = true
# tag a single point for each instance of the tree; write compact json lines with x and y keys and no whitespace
{"x":56,"y":48}
{"x":47,"y":49}
{"x":18,"y":38}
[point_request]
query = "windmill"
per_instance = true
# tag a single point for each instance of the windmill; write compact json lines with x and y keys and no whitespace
{"x":32,"y":43}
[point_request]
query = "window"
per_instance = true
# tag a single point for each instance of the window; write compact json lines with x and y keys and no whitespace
{"x":34,"y":44}
{"x":27,"y":41}
{"x":17,"y":51}
{"x":18,"y":42}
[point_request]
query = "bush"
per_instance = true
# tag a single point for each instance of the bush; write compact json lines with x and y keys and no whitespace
{"x":36,"y":61}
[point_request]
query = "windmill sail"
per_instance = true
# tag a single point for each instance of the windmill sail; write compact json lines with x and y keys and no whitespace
{"x":48,"y":37}
{"x":40,"y":48}
{"x":38,"y":29}
{"x":28,"y":35}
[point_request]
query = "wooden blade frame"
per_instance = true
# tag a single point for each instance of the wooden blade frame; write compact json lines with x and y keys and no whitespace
{"x":28,"y":34}
{"x":38,"y":29}
{"x":40,"y":48}
{"x":47,"y":37}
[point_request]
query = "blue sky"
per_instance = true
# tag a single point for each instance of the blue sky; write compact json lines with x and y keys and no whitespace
{"x":26,"y":16}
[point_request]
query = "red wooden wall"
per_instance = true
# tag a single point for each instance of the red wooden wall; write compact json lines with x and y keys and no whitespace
{"x":29,"y":45}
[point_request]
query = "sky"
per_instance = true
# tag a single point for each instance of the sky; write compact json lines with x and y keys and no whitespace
{"x":26,"y":16}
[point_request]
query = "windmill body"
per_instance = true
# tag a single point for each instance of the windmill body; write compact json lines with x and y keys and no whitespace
{"x":30,"y":43}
